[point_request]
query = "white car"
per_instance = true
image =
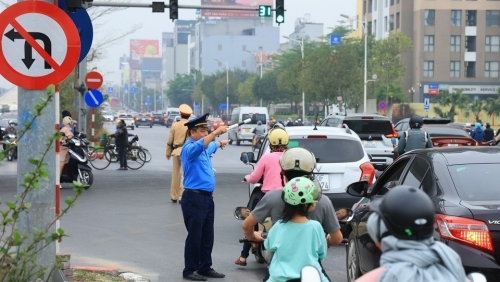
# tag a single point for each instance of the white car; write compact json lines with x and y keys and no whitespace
{"x":108,"y":116}
{"x":129,"y":121}
{"x":340,"y":156}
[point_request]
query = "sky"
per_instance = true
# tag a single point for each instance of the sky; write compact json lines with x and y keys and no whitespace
{"x":153,"y":24}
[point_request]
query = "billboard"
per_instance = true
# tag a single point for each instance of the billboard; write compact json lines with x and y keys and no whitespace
{"x":140,"y":48}
{"x":233,"y":13}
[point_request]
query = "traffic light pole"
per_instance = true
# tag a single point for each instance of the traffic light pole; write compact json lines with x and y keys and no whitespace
{"x":150,"y":5}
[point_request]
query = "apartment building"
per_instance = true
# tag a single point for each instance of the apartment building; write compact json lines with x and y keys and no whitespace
{"x":456,"y":43}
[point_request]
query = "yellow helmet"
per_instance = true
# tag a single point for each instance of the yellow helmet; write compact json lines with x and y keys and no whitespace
{"x":278,"y":136}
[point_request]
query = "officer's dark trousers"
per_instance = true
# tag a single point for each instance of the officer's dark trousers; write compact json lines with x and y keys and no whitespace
{"x":198,"y":212}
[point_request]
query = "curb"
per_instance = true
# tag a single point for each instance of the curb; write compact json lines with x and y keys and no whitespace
{"x":114,"y":271}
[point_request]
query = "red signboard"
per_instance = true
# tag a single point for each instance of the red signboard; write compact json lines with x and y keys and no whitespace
{"x":140,"y":48}
{"x":39,"y":44}
{"x":233,"y":13}
{"x":93,"y":80}
{"x":433,"y":91}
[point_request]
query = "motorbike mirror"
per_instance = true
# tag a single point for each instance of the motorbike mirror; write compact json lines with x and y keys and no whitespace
{"x":310,"y":274}
{"x":241,"y":213}
{"x":244,"y":158}
{"x":358,"y":189}
{"x":344,"y":214}
{"x":476,"y":277}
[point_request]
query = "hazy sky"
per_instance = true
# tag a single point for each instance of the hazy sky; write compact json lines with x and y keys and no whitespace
{"x":153,"y":24}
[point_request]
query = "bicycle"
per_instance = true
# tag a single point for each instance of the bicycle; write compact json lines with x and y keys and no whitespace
{"x":103,"y":157}
{"x":135,"y":143}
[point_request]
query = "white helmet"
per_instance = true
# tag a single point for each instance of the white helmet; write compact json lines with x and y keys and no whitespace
{"x":67,"y":120}
{"x":297,"y":158}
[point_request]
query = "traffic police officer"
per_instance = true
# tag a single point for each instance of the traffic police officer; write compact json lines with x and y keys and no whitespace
{"x":197,"y":201}
{"x":176,"y":138}
{"x":415,"y":138}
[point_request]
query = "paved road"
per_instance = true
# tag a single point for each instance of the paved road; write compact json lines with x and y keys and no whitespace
{"x":126,"y":219}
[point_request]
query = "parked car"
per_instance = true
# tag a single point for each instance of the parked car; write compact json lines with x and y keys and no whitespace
{"x":158,"y":119}
{"x":461,"y":183}
{"x":144,"y":119}
{"x":376,"y":132}
{"x":336,"y":168}
{"x":169,"y":120}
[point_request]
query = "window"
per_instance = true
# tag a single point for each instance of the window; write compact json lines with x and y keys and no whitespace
{"x":456,"y":17}
{"x":398,"y":20}
{"x":374,"y":26}
{"x":332,"y":122}
{"x":391,"y":22}
{"x":455,"y":69}
{"x":369,"y":126}
{"x":419,"y":175}
{"x":391,"y":178}
{"x":430,"y":16}
{"x":491,"y":69}
{"x":477,"y":188}
{"x":428,"y":43}
{"x":220,"y":47}
{"x":347,"y":150}
{"x":385,"y":24}
{"x":493,"y":43}
{"x":470,"y":18}
{"x":428,"y":68}
{"x":392,"y":2}
{"x":493,"y":18}
{"x":455,"y":43}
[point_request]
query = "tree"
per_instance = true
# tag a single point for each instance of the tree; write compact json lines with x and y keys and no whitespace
{"x":267,"y":88}
{"x":475,"y":108}
{"x":245,"y":91}
{"x":342,"y":29}
{"x":492,"y":106}
{"x":453,"y":101}
{"x":223,"y":89}
{"x":180,"y":90}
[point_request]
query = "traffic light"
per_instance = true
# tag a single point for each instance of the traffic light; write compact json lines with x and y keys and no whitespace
{"x":280,"y":11}
{"x":174,"y":9}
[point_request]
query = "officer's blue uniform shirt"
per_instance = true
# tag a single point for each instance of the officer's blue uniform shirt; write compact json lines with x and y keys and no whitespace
{"x":196,"y":161}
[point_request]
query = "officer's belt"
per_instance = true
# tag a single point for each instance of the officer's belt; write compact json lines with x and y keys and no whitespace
{"x":176,"y":146}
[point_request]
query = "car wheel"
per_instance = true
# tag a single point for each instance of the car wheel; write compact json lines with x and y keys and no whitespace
{"x":352,"y":260}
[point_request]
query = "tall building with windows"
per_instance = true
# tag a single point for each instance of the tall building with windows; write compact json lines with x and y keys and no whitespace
{"x":456,"y":43}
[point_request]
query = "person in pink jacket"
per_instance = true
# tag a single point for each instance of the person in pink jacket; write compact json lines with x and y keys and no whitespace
{"x":268,"y":168}
{"x":403,"y":230}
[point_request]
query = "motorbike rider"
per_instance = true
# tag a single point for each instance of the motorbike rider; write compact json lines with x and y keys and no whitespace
{"x":467,"y":128}
{"x":403,"y":230}
{"x":415,"y":138}
{"x":488,"y":133}
{"x":68,"y":134}
{"x":295,"y":162}
{"x":300,"y":196}
{"x":11,"y":129}
{"x":258,"y":131}
{"x":268,"y":169}
{"x":478,"y":133}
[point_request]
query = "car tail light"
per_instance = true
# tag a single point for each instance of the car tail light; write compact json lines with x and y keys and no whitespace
{"x":393,"y":134}
{"x":316,"y":136}
{"x":465,"y":230}
{"x":367,"y":173}
{"x":239,"y":129}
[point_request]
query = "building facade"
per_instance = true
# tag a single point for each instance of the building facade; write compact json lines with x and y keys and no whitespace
{"x":455,"y":43}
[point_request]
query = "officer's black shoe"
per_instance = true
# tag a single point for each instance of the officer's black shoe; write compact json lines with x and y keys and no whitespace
{"x":213,"y":274}
{"x":195,"y":277}
{"x":173,"y":201}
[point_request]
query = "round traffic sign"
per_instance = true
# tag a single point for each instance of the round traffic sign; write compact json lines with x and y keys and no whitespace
{"x":48,"y":39}
{"x":93,"y":98}
{"x":382,"y":105}
{"x":93,"y":80}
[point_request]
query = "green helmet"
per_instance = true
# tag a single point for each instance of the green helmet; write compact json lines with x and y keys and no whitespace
{"x":300,"y":190}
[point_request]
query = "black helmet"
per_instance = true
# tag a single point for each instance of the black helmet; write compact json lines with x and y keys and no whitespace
{"x":416,"y":121}
{"x":488,"y":125}
{"x":407,"y":212}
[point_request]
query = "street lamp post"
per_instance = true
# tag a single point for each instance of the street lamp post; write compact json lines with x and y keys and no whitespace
{"x":301,"y":43}
{"x":261,"y":63}
{"x":194,"y":75}
{"x":227,"y":85}
{"x":365,"y":35}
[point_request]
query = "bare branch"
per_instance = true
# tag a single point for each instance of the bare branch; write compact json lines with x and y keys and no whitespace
{"x":96,"y":52}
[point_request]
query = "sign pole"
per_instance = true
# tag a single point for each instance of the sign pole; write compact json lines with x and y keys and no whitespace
{"x":93,"y":127}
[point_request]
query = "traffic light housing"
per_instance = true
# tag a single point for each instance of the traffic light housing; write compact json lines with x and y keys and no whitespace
{"x":174,"y":9}
{"x":280,"y":11}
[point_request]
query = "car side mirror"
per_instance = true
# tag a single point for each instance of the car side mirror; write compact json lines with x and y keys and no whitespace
{"x":241,"y":213}
{"x":357,"y":189}
{"x":247,"y":157}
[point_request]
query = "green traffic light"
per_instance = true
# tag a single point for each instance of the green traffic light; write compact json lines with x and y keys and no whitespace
{"x":280,"y":19}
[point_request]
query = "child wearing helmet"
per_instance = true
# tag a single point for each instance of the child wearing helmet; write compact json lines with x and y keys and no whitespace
{"x":295,"y":240}
{"x":269,"y":170}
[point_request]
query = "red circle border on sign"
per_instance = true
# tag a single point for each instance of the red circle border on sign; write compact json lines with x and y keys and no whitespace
{"x":93,"y":85}
{"x":72,"y":39}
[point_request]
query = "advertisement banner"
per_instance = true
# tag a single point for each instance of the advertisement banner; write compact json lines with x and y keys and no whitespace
{"x":140,"y":48}
{"x":233,"y":13}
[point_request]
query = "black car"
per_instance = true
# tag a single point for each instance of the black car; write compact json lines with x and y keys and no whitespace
{"x":144,"y":119}
{"x":170,"y":120}
{"x":461,"y":181}
{"x":158,"y":119}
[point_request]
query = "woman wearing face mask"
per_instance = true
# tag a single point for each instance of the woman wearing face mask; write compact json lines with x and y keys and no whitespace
{"x":68,"y":134}
{"x":121,"y":141}
{"x":403,"y":230}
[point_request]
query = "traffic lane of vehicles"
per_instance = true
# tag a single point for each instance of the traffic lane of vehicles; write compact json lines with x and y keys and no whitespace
{"x":143,"y":120}
{"x":459,"y":180}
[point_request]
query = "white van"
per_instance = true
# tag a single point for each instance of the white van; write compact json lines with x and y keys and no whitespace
{"x":244,"y":132}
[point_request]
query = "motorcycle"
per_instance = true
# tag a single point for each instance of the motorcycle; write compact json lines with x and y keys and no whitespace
{"x":11,"y":145}
{"x":77,"y":169}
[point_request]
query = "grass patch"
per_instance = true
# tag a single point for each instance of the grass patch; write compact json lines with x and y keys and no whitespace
{"x":91,"y":276}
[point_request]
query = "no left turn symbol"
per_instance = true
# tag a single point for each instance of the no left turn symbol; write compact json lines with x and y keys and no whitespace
{"x":39,"y":44}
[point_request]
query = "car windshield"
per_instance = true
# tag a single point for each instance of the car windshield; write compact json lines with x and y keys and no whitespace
{"x":369,"y":126}
{"x":254,"y":118}
{"x":344,"y":150}
{"x":475,"y":182}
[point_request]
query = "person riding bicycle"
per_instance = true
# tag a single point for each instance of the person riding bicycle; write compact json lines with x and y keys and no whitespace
{"x":415,"y":138}
{"x":403,"y":230}
{"x":268,"y":169}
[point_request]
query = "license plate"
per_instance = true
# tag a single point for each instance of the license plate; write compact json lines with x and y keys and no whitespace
{"x":143,"y":119}
{"x":452,"y":145}
{"x":247,"y":129}
{"x":323,"y":181}
{"x":156,"y":119}
{"x":369,"y":144}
